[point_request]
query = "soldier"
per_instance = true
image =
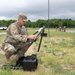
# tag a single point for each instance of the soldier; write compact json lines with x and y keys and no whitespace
{"x":16,"y":42}
{"x":64,"y":29}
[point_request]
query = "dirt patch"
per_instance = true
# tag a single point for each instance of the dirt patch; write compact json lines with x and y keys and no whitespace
{"x":69,"y":67}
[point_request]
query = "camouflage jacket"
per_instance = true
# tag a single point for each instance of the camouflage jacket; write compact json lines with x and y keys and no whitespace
{"x":15,"y":34}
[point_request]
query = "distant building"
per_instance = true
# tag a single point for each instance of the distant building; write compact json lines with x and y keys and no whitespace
{"x":3,"y":27}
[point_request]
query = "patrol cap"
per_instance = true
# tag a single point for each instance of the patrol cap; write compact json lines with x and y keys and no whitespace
{"x":22,"y":16}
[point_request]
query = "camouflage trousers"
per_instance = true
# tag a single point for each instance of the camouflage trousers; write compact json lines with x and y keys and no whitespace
{"x":18,"y":50}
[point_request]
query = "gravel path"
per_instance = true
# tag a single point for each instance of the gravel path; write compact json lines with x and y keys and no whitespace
{"x":2,"y":33}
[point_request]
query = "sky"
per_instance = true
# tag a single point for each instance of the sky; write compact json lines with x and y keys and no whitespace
{"x":37,"y":9}
{"x":62,"y":9}
{"x":34,"y":9}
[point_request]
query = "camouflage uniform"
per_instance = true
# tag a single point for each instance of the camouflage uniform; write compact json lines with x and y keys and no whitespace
{"x":16,"y":40}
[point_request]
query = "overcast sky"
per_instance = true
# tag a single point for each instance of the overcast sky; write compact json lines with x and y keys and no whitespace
{"x":37,"y":9}
{"x":62,"y":9}
{"x":34,"y":9}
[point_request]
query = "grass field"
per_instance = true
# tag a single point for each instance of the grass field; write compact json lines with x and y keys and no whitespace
{"x":56,"y":55}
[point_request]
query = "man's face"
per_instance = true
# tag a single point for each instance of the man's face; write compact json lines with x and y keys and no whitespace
{"x":21,"y":22}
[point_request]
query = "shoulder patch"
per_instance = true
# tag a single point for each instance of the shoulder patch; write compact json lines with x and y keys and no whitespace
{"x":14,"y":29}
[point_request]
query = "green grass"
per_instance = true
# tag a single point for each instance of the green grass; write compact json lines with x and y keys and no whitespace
{"x":56,"y":55}
{"x":61,"y":34}
{"x":2,"y":30}
{"x":2,"y":38}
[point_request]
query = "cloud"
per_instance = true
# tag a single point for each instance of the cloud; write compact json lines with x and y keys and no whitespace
{"x":62,"y":9}
{"x":37,"y":9}
{"x":34,"y":9}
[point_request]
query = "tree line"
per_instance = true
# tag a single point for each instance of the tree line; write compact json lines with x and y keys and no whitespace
{"x":52,"y":23}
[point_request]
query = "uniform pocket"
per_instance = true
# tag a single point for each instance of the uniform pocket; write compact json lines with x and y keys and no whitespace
{"x":10,"y":48}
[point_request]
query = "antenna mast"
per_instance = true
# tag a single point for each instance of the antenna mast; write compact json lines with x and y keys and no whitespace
{"x":48,"y":18}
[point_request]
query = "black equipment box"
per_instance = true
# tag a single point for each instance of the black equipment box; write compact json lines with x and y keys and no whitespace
{"x":28,"y":63}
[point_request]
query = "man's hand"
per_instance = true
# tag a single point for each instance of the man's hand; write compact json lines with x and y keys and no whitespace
{"x":32,"y":37}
